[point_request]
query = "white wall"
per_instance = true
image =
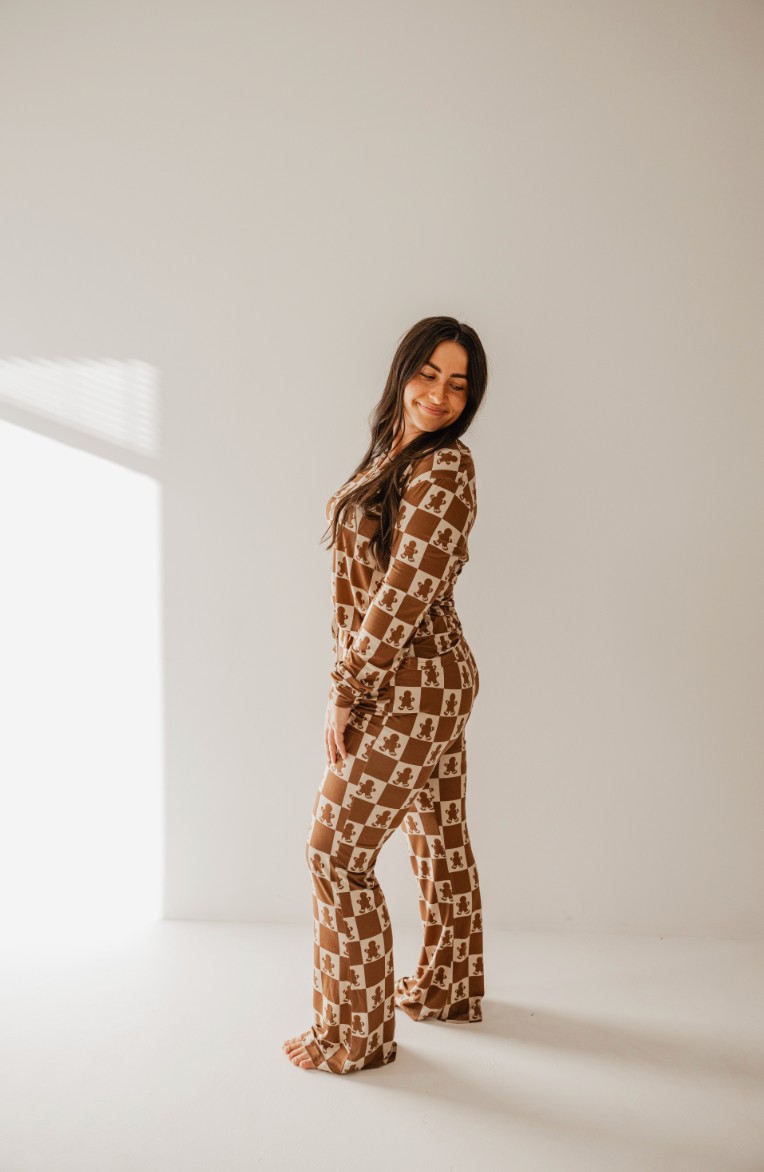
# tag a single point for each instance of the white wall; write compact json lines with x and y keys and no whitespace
{"x":259,"y":198}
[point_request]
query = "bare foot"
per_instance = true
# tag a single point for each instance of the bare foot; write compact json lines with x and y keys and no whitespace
{"x":296,"y":1053}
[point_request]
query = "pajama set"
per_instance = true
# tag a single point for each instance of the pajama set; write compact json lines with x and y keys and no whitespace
{"x":405,"y":670}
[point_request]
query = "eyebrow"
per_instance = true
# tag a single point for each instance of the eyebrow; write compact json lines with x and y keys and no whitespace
{"x":434,"y":367}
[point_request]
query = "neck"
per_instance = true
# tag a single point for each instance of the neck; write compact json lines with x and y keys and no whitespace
{"x":400,"y":441}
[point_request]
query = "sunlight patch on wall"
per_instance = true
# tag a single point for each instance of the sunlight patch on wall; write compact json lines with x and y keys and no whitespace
{"x":117,"y":401}
{"x":81,"y":804}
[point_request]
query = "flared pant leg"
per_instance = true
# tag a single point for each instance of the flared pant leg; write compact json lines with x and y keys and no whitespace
{"x":362,"y":799}
{"x":448,"y":982}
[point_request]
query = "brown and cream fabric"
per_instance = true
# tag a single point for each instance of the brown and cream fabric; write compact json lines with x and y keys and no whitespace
{"x":381,"y":618}
{"x":406,"y":671}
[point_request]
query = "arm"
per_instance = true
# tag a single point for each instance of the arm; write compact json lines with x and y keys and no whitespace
{"x":429,"y":547}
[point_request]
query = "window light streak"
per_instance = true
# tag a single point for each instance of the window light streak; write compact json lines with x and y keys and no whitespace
{"x":117,"y":401}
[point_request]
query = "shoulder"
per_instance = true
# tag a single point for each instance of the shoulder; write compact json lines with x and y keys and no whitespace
{"x":442,"y":484}
{"x":451,"y":462}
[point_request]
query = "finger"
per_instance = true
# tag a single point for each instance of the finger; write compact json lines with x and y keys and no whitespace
{"x":332,"y":747}
{"x":340,"y":736}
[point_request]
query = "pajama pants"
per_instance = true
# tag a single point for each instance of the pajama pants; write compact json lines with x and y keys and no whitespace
{"x":406,"y":766}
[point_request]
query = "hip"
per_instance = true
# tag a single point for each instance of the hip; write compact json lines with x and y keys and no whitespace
{"x":441,"y":685}
{"x":423,"y":707}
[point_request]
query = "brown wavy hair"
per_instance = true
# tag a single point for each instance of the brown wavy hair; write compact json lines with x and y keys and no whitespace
{"x":381,"y":496}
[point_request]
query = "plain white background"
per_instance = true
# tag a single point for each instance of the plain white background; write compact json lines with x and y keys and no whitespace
{"x":259,"y":199}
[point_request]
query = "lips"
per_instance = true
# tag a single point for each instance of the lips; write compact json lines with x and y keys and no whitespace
{"x":430,"y":410}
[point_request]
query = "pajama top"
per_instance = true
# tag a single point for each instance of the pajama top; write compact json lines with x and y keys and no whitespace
{"x":381,"y":619}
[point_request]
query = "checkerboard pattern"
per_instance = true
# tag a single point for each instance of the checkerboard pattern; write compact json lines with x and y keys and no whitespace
{"x":404,"y":668}
{"x":406,"y":767}
{"x":448,"y":981}
{"x":381,"y":619}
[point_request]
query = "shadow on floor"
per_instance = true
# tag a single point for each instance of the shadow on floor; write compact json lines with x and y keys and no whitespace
{"x":499,"y":1094}
{"x":648,"y":1045}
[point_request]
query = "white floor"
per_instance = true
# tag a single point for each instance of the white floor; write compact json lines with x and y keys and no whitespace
{"x":159,"y":1051}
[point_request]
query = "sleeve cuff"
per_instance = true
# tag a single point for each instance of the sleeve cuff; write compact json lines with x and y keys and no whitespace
{"x":340,"y":698}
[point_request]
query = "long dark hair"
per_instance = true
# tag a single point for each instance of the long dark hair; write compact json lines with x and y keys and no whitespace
{"x":380,"y":497}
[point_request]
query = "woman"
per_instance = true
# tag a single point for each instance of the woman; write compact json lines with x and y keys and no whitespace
{"x":403,"y":688}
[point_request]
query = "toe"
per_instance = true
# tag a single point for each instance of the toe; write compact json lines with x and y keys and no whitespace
{"x":297,"y":1054}
{"x":301,"y":1058}
{"x":295,"y":1051}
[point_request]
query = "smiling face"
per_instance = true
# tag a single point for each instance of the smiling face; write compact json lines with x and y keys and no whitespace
{"x":437,"y":394}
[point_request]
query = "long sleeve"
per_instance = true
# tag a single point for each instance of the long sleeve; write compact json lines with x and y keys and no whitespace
{"x":429,"y":548}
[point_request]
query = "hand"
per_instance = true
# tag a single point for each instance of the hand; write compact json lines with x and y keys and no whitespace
{"x":334,"y":731}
